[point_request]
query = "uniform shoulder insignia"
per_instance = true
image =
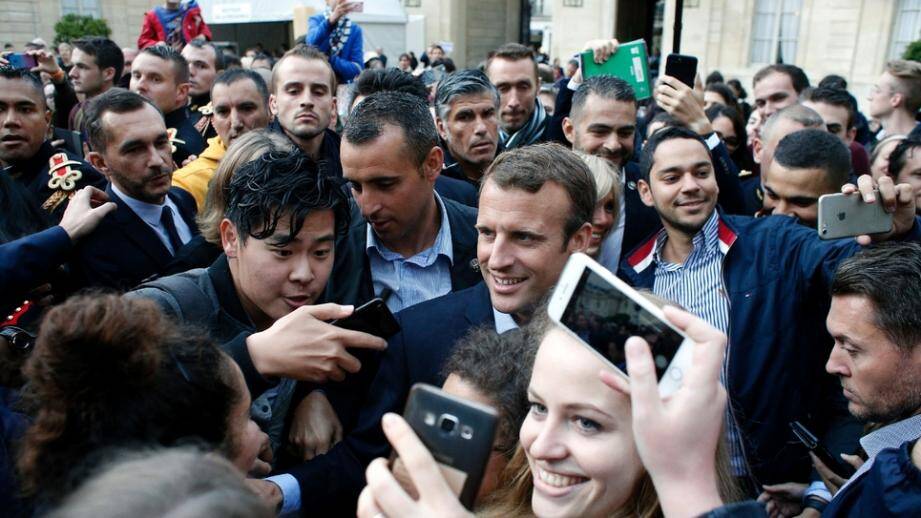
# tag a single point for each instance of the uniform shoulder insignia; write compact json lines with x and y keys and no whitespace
{"x":745,"y":174}
{"x":63,"y":180}
{"x":173,"y":138}
{"x":206,"y":109}
{"x":202,"y":124}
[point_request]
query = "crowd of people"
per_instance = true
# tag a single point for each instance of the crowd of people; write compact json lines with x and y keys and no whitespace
{"x":182,"y":227}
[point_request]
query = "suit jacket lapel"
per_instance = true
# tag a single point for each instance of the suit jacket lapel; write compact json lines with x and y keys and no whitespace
{"x":139,"y":232}
{"x":186,"y":209}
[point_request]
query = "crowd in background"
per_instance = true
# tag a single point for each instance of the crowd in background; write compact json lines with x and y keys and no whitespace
{"x":182,"y":226}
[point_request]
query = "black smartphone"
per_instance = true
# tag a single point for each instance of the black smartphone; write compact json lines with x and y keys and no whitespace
{"x":72,"y":140}
{"x":373,"y":317}
{"x":811,"y":442}
{"x":19,"y":61}
{"x":458,"y":433}
{"x":681,"y":67}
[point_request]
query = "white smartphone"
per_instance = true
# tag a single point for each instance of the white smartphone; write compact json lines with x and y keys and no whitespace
{"x":602,"y":311}
{"x":846,"y":215}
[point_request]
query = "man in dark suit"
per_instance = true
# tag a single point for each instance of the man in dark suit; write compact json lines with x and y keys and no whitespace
{"x":131,"y":147}
{"x":535,"y":206}
{"x":407,"y":243}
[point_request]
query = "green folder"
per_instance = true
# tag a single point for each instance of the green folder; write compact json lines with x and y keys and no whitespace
{"x":629,"y":63}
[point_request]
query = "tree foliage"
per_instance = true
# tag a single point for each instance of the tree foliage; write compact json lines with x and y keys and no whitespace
{"x":913,"y":51}
{"x":74,"y":26}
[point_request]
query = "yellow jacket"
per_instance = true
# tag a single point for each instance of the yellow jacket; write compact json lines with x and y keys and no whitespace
{"x":194,"y":177}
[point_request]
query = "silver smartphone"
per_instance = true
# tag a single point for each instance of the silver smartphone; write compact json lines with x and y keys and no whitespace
{"x":602,"y":311}
{"x":846,"y":215}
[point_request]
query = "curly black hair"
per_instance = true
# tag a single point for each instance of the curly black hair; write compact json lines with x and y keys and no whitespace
{"x":276,"y":186}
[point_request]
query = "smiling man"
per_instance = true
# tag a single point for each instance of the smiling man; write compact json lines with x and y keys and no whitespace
{"x":240,"y":102}
{"x":774,"y":274}
{"x":132,"y":149}
{"x":535,"y":206}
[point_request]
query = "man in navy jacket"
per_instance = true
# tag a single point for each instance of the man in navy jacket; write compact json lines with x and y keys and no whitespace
{"x":535,"y":206}
{"x":132,"y":149}
{"x":759,"y":281}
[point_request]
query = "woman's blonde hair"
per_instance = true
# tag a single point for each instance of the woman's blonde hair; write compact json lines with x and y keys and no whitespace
{"x":606,"y":174}
{"x":243,"y":150}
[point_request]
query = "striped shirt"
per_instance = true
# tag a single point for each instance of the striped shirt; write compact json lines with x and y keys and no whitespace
{"x":697,"y":285}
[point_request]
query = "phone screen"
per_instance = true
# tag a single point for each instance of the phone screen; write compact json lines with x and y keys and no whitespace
{"x":603,"y":317}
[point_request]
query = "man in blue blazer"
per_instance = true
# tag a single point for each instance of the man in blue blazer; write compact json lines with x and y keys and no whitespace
{"x":535,"y":206}
{"x":152,"y":220}
{"x":407,"y":243}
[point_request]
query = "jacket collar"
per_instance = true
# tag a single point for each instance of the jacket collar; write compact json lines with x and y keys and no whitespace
{"x":644,"y":255}
{"x":227,"y":296}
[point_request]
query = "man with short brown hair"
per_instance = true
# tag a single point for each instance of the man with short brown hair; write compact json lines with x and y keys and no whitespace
{"x":303,"y":100}
{"x":522,"y":118}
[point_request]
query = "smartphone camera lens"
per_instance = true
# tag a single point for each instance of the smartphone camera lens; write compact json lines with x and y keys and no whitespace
{"x":447,"y":423}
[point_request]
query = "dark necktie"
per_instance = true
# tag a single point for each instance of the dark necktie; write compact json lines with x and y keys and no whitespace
{"x":166,"y":219}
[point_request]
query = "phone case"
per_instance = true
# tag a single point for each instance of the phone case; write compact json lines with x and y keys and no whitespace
{"x":629,"y":63}
{"x":462,"y":452}
{"x":846,"y":215}
{"x":681,"y":67}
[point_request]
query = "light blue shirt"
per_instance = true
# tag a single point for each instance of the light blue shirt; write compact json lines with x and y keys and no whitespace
{"x":504,"y":321}
{"x":411,"y":280}
{"x":150,"y":213}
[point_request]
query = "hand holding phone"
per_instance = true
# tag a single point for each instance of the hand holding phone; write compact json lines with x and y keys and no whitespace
{"x":601,"y":311}
{"x":458,"y":433}
{"x":20,"y":61}
{"x":811,"y":442}
{"x":677,"y":437}
{"x":682,"y":68}
{"x":383,"y":496}
{"x":373,"y":317}
{"x":847,"y":215}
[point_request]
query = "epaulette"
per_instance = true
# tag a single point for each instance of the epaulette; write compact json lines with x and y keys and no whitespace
{"x":173,"y":139}
{"x":744,"y":174}
{"x":63,"y":180}
{"x":204,"y":121}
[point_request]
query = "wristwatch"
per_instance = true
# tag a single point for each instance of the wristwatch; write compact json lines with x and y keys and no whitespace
{"x":815,"y":503}
{"x":20,"y":340}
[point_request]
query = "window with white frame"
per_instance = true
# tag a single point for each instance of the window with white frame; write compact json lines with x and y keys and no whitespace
{"x":775,"y":31}
{"x":83,"y":7}
{"x":906,"y":27}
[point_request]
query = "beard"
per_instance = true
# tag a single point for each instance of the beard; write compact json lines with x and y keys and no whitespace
{"x":900,"y":400}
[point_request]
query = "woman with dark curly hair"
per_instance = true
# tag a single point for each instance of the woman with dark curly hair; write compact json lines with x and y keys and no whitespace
{"x":109,"y":373}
